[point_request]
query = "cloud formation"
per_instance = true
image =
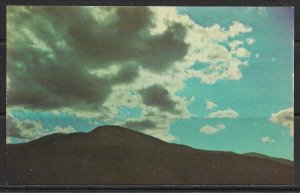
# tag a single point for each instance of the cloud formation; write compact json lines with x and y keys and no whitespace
{"x":210,"y":105}
{"x":28,"y":130}
{"x":159,"y":97}
{"x":24,"y":130}
{"x":250,"y":41}
{"x":67,"y":129}
{"x":267,"y":139}
{"x":88,"y":61}
{"x":210,"y":130}
{"x":228,"y":113}
{"x":140,"y":124}
{"x":284,"y":117}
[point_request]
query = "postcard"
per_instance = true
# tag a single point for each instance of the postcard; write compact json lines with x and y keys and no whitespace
{"x":109,"y":95}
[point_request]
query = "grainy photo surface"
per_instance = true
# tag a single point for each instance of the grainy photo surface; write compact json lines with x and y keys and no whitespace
{"x":149,"y":95}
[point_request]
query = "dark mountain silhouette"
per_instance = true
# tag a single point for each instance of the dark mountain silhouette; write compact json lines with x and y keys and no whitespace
{"x":115,"y":155}
{"x":280,"y":160}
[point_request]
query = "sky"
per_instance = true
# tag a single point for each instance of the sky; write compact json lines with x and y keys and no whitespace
{"x":213,"y":78}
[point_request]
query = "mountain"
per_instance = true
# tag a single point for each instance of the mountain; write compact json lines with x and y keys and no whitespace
{"x":281,"y":160}
{"x":115,"y":155}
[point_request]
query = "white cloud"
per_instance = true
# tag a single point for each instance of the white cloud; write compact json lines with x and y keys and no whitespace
{"x":250,"y":41}
{"x":238,"y":28}
{"x":273,"y":59}
{"x":210,"y":105}
{"x":257,"y":55}
{"x":234,"y":44}
{"x":210,"y":130}
{"x":67,"y":129}
{"x":284,"y":117}
{"x":266,"y":139}
{"x":8,"y":140}
{"x":228,"y":113}
{"x":160,"y":134}
{"x":242,"y":52}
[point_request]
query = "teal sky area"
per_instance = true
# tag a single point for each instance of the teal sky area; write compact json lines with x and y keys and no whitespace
{"x":264,"y":88}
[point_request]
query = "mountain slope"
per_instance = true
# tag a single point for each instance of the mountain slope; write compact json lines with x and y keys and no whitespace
{"x":280,"y":160}
{"x":116,"y":155}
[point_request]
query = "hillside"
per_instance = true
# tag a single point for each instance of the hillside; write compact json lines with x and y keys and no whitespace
{"x":281,"y":160}
{"x":116,"y":155}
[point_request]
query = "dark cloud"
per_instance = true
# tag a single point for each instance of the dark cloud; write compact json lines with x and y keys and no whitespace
{"x":126,"y":74}
{"x":164,"y":49}
{"x":140,"y":125}
{"x":53,"y":86}
{"x":159,"y":97}
{"x":52,"y":50}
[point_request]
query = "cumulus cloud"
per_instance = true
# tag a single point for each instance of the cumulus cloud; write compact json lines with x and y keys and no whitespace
{"x":228,"y":113}
{"x":210,"y":105}
{"x":210,"y":130}
{"x":284,"y":117}
{"x":267,"y":139}
{"x":237,"y":28}
{"x":88,"y":61}
{"x":24,"y":130}
{"x":60,"y":61}
{"x":67,"y":129}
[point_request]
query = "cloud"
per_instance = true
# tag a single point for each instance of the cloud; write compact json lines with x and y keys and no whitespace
{"x":273,"y":59}
{"x":237,"y":28}
{"x":242,"y":52}
{"x":159,"y":97}
{"x":257,"y":55}
{"x":234,"y":44}
{"x":67,"y":129}
{"x":58,"y":64}
{"x":8,"y":140}
{"x":210,"y":130}
{"x":24,"y":130}
{"x":89,"y":61}
{"x":228,"y":113}
{"x":28,"y":130}
{"x":161,"y":134}
{"x":266,"y":139}
{"x":250,"y":41}
{"x":284,"y":117}
{"x":210,"y":105}
{"x":140,"y":124}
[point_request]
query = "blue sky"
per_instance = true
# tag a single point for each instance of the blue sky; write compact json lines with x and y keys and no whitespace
{"x":266,"y":86}
{"x":263,"y":90}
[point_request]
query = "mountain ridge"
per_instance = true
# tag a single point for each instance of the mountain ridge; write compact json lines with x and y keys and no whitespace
{"x":117,"y":155}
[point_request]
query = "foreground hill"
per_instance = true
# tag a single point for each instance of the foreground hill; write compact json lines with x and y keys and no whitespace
{"x":116,"y":155}
{"x":280,"y":160}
